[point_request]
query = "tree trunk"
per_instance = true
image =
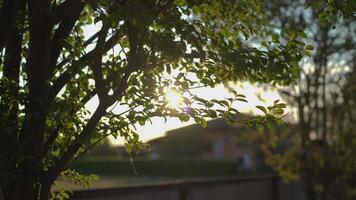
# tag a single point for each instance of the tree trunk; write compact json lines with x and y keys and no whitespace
{"x":25,"y":182}
{"x":20,"y":191}
{"x":27,"y":190}
{"x":45,"y":190}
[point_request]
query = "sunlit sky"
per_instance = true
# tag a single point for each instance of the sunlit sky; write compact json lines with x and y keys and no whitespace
{"x":255,"y":95}
{"x":159,"y":127}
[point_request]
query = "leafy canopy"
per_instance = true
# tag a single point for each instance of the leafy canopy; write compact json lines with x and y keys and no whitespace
{"x":179,"y":45}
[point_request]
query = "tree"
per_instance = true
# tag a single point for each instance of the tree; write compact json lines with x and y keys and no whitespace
{"x":50,"y":69}
{"x":325,"y":108}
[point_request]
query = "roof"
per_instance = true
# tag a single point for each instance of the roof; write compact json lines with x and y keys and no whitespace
{"x":216,"y":126}
{"x":212,"y":125}
{"x":156,"y":140}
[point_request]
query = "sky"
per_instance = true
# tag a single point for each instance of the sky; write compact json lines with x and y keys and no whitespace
{"x":159,"y":127}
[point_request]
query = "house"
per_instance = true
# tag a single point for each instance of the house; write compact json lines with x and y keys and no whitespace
{"x":219,"y":140}
{"x":155,"y":144}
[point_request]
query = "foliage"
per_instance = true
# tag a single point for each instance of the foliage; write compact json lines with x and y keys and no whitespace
{"x":280,"y":147}
{"x":332,"y":10}
{"x":51,"y":67}
{"x":320,"y":151}
{"x":73,"y":177}
{"x":162,"y":167}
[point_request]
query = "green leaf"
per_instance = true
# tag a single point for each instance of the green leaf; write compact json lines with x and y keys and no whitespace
{"x":203,"y":122}
{"x":309,"y":47}
{"x":280,"y":105}
{"x":264,"y":43}
{"x":308,"y":53}
{"x":183,"y":117}
{"x":240,"y":95}
{"x":197,"y":119}
{"x":180,"y":75}
{"x":142,"y":122}
{"x":241,"y":99}
{"x":263,"y":109}
{"x":278,"y":111}
{"x":225,"y":103}
{"x":212,"y":113}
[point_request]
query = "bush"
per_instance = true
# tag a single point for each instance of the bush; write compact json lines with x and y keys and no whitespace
{"x":166,"y":167}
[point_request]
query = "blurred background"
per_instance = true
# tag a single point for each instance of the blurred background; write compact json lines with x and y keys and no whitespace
{"x":316,"y":145}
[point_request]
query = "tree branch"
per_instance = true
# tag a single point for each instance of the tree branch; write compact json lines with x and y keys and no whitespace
{"x":54,"y":133}
{"x":63,"y":79}
{"x":133,"y":65}
{"x":62,"y":162}
{"x":64,"y":9}
{"x":68,"y":20}
{"x":90,"y":126}
{"x":86,"y":43}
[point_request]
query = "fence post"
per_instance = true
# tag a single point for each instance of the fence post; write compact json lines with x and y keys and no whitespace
{"x":183,"y":191}
{"x":275,"y":188}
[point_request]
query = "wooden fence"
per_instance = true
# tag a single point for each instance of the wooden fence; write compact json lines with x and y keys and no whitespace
{"x":238,"y":188}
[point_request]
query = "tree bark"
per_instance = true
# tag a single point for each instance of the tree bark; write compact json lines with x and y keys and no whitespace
{"x":8,"y":13}
{"x":45,"y":190}
{"x":26,"y":183}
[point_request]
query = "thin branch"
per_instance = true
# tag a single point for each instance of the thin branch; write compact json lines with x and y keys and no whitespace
{"x":63,"y":79}
{"x":86,"y":43}
{"x":89,"y":127}
{"x":97,"y":64}
{"x":122,"y":49}
{"x":55,"y":132}
{"x":92,"y":145}
{"x":85,"y":133}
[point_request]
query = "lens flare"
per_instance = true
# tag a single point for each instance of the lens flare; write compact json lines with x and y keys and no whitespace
{"x":174,"y":99}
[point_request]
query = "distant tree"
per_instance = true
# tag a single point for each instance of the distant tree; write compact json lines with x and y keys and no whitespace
{"x":51,"y":68}
{"x":322,"y":149}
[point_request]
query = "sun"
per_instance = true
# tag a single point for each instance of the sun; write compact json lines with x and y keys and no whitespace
{"x":174,"y":99}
